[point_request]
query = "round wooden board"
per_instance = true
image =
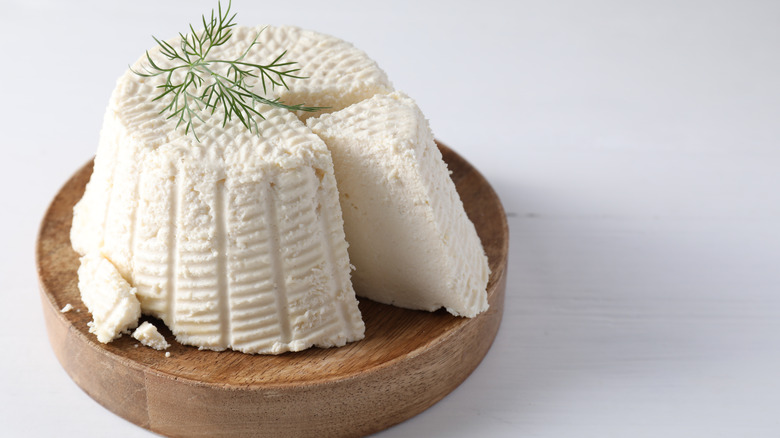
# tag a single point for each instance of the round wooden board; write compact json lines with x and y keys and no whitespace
{"x":408,"y":360}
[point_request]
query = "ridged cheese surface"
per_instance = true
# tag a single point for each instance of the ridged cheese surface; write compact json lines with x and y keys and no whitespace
{"x":410,"y":239}
{"x":235,"y":241}
{"x":336,"y":73}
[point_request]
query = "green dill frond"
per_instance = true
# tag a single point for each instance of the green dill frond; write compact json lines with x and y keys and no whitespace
{"x":202,"y":88}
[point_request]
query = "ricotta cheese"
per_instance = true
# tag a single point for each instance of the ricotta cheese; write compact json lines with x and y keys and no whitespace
{"x":410,"y":239}
{"x":148,"y":335}
{"x":109,"y":298}
{"x":235,"y":241}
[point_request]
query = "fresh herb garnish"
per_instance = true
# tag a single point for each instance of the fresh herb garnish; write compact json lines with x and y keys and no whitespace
{"x":207,"y":86}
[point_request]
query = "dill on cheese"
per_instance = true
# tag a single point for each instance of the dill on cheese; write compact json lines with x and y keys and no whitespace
{"x":197,"y":84}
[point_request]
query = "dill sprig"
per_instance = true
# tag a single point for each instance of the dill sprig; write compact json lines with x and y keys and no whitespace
{"x":204,"y":87}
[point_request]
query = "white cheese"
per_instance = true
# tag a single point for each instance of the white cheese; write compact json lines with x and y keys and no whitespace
{"x":336,"y":73}
{"x":410,"y":239}
{"x":147,"y":334}
{"x":66,"y":308}
{"x":109,"y":298}
{"x":235,"y":241}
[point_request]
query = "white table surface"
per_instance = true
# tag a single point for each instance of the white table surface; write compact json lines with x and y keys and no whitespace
{"x":636,"y":148}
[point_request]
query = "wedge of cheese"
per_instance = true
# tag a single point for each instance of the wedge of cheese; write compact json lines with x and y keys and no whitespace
{"x":235,"y":241}
{"x":411,"y":242}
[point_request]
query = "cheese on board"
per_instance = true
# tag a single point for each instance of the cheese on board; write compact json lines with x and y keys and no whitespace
{"x":410,"y":240}
{"x":109,"y":298}
{"x":148,"y":335}
{"x":234,"y":241}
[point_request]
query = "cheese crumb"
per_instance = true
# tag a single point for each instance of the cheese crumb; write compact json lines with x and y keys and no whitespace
{"x":167,"y":354}
{"x":68,"y":307}
{"x":148,"y":335}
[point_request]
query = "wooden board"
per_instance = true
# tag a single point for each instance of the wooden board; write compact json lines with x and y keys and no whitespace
{"x":408,"y":360}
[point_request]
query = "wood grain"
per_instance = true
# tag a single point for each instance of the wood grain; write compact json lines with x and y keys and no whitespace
{"x":407,"y":362}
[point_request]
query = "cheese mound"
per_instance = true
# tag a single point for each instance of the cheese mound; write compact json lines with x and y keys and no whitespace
{"x":235,"y":241}
{"x":410,"y":239}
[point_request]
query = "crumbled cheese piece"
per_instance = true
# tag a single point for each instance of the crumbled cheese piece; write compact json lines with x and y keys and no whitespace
{"x":167,"y":354}
{"x":110,"y":299}
{"x":148,"y":335}
{"x":67,"y":308}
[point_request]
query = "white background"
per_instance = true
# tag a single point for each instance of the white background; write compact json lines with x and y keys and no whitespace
{"x":636,"y":148}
